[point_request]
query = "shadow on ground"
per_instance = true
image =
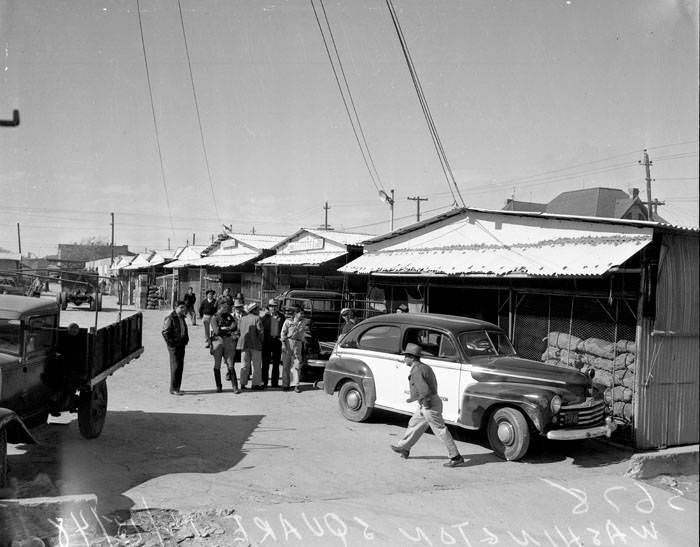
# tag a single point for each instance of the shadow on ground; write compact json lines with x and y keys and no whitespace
{"x":135,"y":447}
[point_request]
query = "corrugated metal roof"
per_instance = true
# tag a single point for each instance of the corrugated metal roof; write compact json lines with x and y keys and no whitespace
{"x":344,"y":238}
{"x":187,"y":256}
{"x":141,"y":261}
{"x":490,"y":245}
{"x":585,"y":257}
{"x":225,"y":260}
{"x":302,"y":259}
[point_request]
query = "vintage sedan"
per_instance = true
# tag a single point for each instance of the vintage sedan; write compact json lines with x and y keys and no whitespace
{"x":483,"y":383}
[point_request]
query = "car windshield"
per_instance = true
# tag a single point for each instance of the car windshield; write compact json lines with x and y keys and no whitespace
{"x":9,"y":337}
{"x":482,"y":342}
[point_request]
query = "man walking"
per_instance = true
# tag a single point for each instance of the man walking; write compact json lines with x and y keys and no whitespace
{"x":189,"y":299}
{"x":176,"y":338}
{"x":272,"y":323}
{"x":206,"y":310}
{"x":423,"y":388}
{"x":250,"y":344}
{"x":223,"y":345}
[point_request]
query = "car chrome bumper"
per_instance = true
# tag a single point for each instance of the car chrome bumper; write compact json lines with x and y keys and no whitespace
{"x":585,"y":433}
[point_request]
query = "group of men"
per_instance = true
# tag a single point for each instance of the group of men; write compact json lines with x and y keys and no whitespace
{"x":236,"y":332}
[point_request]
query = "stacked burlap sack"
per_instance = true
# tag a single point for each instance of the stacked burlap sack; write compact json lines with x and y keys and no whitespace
{"x":614,"y":364}
{"x":154,"y":298}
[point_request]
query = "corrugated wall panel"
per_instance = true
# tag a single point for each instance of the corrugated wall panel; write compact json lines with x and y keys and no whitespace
{"x":669,"y":349}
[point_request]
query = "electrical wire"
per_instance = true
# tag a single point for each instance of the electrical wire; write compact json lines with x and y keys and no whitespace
{"x":199,"y":117}
{"x":345,"y":102}
{"x":155,"y":121}
{"x":347,"y":87}
{"x":437,"y":142}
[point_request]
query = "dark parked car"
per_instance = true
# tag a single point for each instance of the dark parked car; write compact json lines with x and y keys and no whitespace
{"x":483,"y":383}
{"x":322,"y":310}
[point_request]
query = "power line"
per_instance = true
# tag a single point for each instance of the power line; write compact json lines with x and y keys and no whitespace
{"x":442,"y":157}
{"x":199,"y":117}
{"x":155,"y":121}
{"x":347,"y":87}
{"x":342,"y":96}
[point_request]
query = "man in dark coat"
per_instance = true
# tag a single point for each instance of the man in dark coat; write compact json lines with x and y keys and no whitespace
{"x":272,"y":322}
{"x":176,"y":338}
{"x":189,"y":299}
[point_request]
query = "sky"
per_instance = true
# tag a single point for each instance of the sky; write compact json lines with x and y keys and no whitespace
{"x":530,"y":99}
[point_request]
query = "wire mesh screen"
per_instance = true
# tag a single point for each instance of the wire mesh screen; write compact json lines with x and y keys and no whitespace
{"x":584,"y":333}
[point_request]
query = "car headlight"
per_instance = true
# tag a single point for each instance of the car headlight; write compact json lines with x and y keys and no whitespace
{"x":555,"y":404}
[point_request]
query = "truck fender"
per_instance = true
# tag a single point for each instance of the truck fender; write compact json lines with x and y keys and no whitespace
{"x":339,"y":369}
{"x":479,"y":399}
{"x":17,"y":432}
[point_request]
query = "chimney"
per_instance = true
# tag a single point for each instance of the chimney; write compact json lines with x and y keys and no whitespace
{"x":634,"y":192}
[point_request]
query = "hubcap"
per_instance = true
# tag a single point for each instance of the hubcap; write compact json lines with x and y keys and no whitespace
{"x":353,"y":400}
{"x":505,"y":433}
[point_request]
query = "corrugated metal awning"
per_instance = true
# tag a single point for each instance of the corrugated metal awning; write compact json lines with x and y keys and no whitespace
{"x":585,"y":256}
{"x":225,"y":261}
{"x":302,"y":259}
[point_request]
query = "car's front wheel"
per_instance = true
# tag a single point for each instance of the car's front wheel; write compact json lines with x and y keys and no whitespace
{"x":508,"y":433}
{"x":353,"y":404}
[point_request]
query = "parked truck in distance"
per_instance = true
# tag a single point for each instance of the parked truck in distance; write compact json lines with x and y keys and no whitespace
{"x":48,"y":369}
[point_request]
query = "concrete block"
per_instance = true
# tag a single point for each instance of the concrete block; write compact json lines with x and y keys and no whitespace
{"x":22,"y":519}
{"x":681,"y":460}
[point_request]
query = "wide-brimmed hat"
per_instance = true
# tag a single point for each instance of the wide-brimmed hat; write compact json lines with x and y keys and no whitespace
{"x":238,"y":303}
{"x":251,"y":307}
{"x":412,"y":349}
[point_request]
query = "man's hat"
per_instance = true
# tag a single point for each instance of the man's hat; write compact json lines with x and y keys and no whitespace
{"x":210,"y":291}
{"x":403,"y":308}
{"x":251,"y":307}
{"x":346,"y":311}
{"x":413,"y":349}
{"x":238,"y":303}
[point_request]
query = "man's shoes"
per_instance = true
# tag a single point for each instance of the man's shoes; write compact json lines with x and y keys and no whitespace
{"x":237,"y":391}
{"x":176,"y":392}
{"x":454,"y":462}
{"x":297,"y":389}
{"x":286,"y":388}
{"x":402,"y":451}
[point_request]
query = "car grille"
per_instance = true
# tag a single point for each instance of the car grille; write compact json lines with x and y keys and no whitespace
{"x":582,"y":415}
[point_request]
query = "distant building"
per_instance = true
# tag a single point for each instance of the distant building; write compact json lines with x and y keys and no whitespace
{"x":590,"y":202}
{"x":77,"y":255}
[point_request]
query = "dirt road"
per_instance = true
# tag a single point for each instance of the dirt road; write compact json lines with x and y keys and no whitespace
{"x":226,"y":460}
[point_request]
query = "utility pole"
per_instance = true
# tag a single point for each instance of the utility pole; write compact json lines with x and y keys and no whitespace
{"x":193,"y":239}
{"x":19,"y":240}
{"x":417,"y":199}
{"x":168,"y":244}
{"x":112,"y":242}
{"x":326,"y":207}
{"x":652,"y":205}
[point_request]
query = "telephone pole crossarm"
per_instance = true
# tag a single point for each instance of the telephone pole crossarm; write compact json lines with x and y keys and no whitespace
{"x":417,"y":199}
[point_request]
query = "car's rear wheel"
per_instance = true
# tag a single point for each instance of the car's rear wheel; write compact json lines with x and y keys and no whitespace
{"x":353,"y":404}
{"x":92,"y":411}
{"x":508,"y":433}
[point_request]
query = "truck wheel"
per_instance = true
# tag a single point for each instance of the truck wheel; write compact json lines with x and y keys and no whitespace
{"x":353,"y":405}
{"x":92,"y":410}
{"x":3,"y":458}
{"x":64,"y":300}
{"x":509,"y":435}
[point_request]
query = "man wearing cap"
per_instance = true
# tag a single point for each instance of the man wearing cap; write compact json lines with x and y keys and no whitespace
{"x":272,"y":322}
{"x":349,"y":317}
{"x":294,"y":331}
{"x":250,"y":344}
{"x":423,"y":388}
{"x":207,"y":308}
